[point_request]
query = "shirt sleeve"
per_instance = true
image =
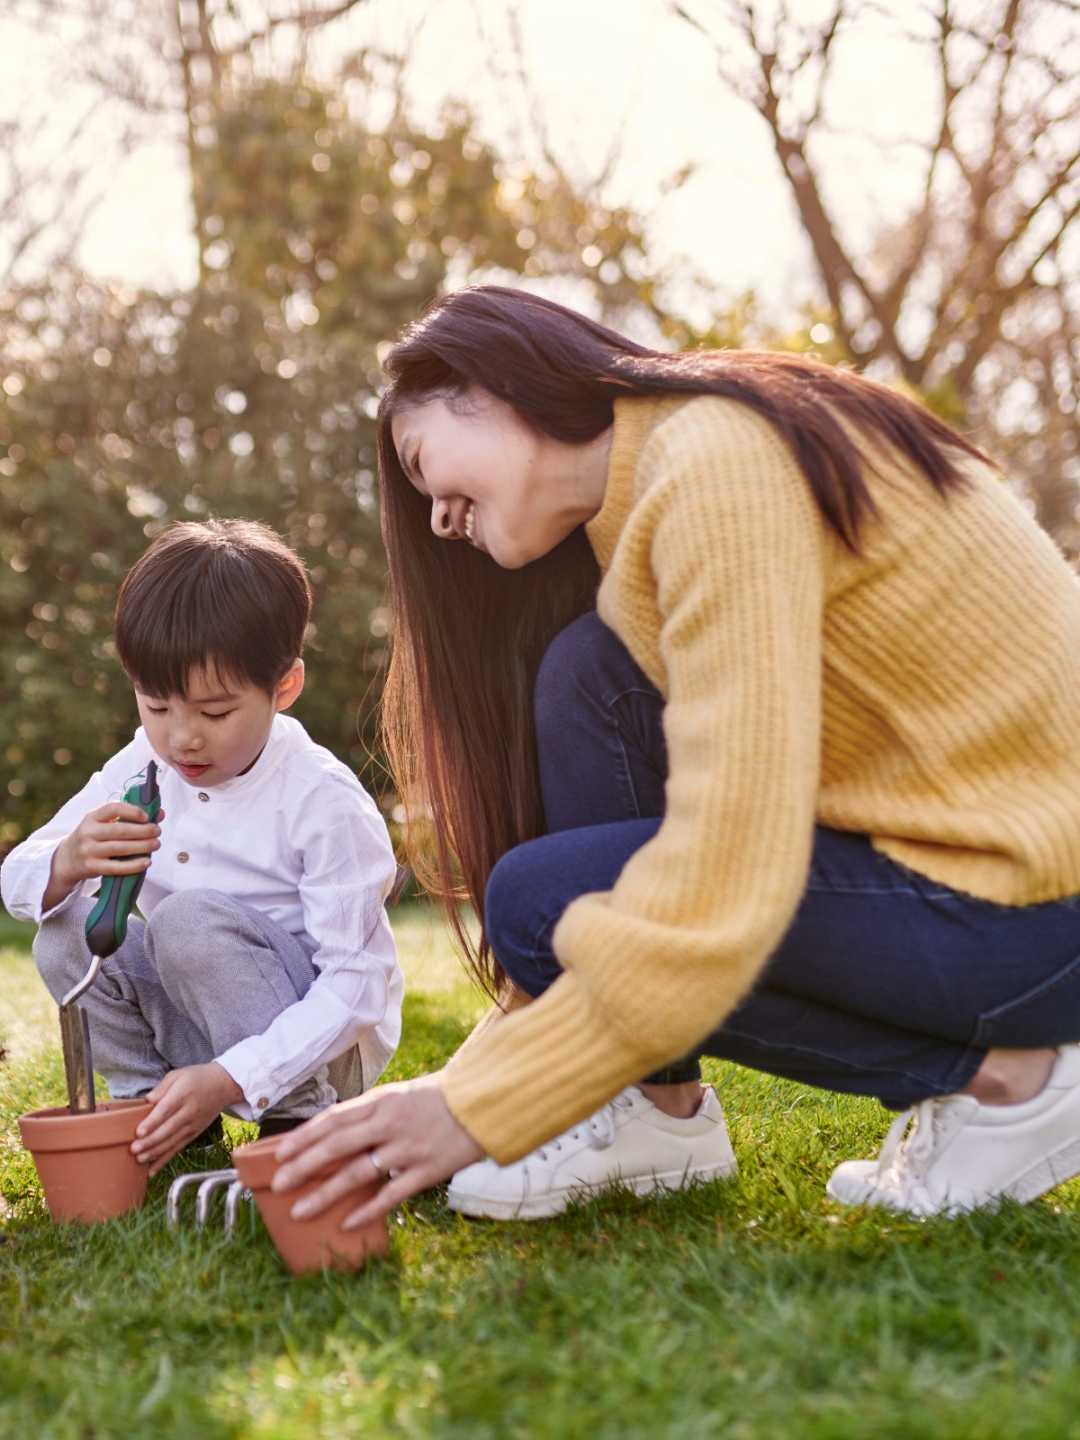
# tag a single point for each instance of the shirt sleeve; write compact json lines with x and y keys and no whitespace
{"x":734,"y":542}
{"x":24,"y":877}
{"x":348,"y":869}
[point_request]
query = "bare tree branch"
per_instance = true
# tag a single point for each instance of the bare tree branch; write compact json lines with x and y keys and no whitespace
{"x":987,"y":163}
{"x":825,"y":46}
{"x":304,"y":21}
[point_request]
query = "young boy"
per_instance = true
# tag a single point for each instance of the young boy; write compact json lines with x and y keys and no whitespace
{"x":264,"y":980}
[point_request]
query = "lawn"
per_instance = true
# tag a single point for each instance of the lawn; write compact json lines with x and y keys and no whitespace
{"x":750,"y":1309}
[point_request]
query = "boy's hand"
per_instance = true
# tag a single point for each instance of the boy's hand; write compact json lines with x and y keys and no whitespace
{"x":187,"y":1100}
{"x":114,"y":839}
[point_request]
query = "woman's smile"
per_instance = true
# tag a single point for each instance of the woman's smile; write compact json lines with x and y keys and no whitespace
{"x":492,"y":480}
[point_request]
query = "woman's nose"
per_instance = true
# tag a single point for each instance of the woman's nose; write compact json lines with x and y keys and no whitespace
{"x":442,"y":522}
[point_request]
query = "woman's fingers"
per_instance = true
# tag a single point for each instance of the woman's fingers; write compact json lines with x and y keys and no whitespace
{"x":355,"y":1139}
{"x":345,"y":1112}
{"x":358,"y":1174}
{"x":296,"y":1141}
{"x":388,"y":1197}
{"x":342,"y":1128}
{"x":409,"y":1128}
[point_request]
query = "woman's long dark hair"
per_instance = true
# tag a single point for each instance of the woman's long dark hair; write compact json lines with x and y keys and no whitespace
{"x":468,"y":636}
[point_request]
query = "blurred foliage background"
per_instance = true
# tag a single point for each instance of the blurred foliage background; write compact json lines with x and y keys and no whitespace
{"x":326,"y":214}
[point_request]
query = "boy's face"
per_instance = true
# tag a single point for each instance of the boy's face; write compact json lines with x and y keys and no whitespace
{"x":218,"y":730}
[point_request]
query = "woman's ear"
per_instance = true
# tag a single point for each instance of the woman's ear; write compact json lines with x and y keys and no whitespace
{"x":287,"y":690}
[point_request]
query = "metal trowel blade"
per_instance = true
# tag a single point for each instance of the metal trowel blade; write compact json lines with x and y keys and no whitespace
{"x":78,"y":1059}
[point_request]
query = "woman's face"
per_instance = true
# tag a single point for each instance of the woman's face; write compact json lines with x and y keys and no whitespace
{"x":492,"y":481}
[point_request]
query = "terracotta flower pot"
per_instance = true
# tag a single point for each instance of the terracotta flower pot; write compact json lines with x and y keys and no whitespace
{"x":314,"y":1244}
{"x":85,"y":1162}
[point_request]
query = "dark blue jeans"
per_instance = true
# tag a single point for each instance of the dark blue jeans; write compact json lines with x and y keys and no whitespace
{"x":886,"y":984}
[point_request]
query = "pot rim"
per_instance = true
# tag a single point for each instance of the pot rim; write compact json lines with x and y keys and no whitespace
{"x":259,"y":1154}
{"x":55,"y":1128}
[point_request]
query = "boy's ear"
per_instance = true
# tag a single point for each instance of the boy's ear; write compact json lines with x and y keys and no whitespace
{"x":287,"y":690}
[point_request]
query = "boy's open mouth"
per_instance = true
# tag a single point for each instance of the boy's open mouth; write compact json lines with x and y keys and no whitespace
{"x":191,"y":771}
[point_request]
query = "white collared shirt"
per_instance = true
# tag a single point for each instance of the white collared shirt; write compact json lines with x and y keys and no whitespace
{"x":298,"y":838}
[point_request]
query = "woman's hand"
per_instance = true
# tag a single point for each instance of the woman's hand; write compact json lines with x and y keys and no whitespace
{"x":187,"y":1100}
{"x":408,"y":1128}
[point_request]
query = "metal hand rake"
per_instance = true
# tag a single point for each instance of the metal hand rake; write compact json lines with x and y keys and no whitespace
{"x":206,"y":1184}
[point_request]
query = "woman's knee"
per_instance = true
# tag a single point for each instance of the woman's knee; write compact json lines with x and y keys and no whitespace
{"x":516,"y":929}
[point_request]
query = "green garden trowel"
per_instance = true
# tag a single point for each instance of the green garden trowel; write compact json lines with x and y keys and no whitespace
{"x":106,"y":927}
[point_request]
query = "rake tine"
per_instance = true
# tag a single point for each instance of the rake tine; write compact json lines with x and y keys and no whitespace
{"x":235,"y":1193}
{"x":184,"y":1182}
{"x":212,"y":1183}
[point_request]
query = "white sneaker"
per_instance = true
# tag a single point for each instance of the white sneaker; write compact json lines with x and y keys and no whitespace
{"x":628,"y":1141}
{"x":960,"y":1155}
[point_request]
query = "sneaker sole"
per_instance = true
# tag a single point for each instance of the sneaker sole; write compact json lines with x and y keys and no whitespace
{"x":1063,"y":1165}
{"x":555,"y":1202}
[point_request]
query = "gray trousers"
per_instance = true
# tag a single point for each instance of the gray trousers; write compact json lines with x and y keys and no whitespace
{"x":203,"y":973}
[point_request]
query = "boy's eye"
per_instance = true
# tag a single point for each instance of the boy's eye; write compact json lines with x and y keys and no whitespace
{"x":156,"y":709}
{"x":221,"y":714}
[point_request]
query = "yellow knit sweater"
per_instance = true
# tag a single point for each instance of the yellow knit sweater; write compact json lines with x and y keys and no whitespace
{"x":925,"y":692}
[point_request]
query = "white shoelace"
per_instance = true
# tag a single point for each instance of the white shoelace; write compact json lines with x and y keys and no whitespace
{"x":908,"y":1151}
{"x":599,"y":1129}
{"x":914,"y":1141}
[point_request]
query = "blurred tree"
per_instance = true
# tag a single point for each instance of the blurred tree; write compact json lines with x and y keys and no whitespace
{"x":131,"y":76}
{"x":252,"y":394}
{"x":973,"y":298}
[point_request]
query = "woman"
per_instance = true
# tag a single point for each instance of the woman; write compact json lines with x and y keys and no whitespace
{"x":746,"y":697}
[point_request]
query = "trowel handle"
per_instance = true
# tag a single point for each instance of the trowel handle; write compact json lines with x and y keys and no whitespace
{"x":106,"y":925}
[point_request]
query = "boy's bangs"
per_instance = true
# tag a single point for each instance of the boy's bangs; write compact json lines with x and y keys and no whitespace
{"x":163,"y":652}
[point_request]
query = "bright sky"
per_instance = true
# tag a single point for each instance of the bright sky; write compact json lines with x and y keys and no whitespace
{"x":601,"y":69}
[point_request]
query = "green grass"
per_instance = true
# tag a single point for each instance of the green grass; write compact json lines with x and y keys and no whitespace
{"x":751,"y":1310}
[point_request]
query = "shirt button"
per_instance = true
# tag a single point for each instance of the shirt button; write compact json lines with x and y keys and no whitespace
{"x":262,"y":1102}
{"x":203,"y":795}
{"x":183,"y":857}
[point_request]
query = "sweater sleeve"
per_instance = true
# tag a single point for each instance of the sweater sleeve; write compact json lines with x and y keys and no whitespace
{"x":732,"y":536}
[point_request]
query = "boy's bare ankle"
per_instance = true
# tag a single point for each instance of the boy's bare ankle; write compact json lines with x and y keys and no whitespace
{"x":1009,"y":1077}
{"x":681,"y":1101}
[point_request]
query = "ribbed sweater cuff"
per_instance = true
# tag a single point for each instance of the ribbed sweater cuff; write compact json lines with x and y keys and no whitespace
{"x":535,"y":1073}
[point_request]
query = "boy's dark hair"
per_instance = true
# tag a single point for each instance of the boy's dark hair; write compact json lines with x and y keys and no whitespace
{"x":227,"y":594}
